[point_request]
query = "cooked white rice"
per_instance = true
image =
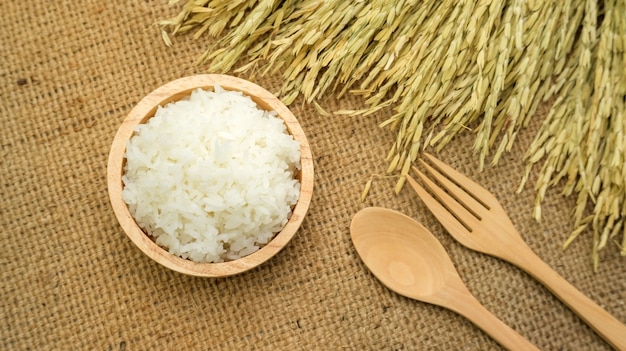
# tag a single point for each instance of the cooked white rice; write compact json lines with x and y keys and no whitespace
{"x":211,"y":177}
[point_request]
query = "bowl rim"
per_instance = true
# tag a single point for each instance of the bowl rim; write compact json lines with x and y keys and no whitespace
{"x":145,"y":109}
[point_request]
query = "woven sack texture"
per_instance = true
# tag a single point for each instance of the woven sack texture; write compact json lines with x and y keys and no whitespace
{"x":72,"y":280}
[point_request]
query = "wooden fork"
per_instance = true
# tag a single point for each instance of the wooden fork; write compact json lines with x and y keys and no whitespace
{"x":475,"y":218}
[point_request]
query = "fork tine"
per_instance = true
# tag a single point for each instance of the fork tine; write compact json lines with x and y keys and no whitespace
{"x":480,"y":193}
{"x":451,"y":223}
{"x":471,"y":204}
{"x":449,"y":203}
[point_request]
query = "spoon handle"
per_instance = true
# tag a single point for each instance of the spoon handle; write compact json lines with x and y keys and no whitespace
{"x":475,"y":312}
{"x":603,"y":323}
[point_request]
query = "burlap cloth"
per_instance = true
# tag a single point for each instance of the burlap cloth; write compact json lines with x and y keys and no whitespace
{"x":71,"y":279}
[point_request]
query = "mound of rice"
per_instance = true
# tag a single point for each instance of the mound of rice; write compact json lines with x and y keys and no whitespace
{"x":211,"y":177}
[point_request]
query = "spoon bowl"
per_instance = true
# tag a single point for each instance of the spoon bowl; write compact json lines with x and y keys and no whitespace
{"x":410,"y":264}
{"x":410,"y":261}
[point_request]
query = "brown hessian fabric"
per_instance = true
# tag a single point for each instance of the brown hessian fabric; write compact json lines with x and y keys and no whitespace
{"x":72,"y":280}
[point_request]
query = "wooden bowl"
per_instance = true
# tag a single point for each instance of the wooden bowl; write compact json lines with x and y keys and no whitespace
{"x":146,"y":109}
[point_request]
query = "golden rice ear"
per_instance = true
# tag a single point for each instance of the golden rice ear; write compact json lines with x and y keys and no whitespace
{"x":489,"y":69}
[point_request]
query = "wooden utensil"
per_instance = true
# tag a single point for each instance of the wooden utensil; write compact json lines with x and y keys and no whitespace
{"x":475,"y":218}
{"x":409,"y":260}
{"x":146,"y":109}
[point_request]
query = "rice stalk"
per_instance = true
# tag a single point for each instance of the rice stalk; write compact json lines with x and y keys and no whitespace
{"x":582,"y":140}
{"x":447,"y":67}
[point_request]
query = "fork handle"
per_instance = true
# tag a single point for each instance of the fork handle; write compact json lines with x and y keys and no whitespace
{"x":603,"y":323}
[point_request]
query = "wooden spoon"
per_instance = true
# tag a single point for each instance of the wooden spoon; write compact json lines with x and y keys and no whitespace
{"x":409,"y":260}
